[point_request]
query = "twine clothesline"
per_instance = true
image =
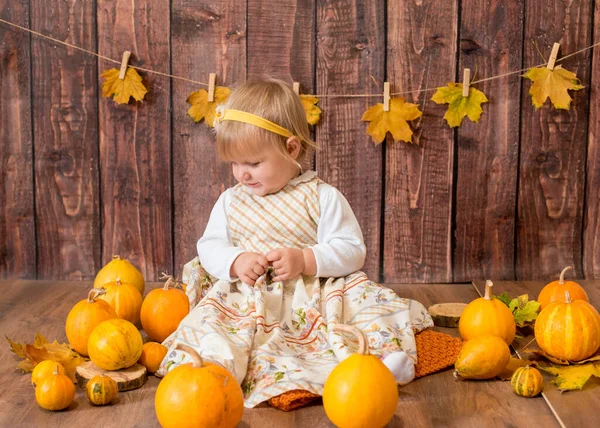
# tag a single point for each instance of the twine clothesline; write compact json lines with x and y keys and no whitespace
{"x":147,"y":70}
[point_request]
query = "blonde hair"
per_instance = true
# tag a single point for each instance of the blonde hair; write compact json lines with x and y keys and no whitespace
{"x":271,"y":99}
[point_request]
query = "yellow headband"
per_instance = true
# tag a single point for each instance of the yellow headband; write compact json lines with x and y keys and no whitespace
{"x":252,"y":119}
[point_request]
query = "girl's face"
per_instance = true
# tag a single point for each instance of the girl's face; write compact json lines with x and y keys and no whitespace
{"x":265,"y":174}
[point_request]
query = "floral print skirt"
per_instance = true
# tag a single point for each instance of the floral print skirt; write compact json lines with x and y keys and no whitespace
{"x":273,"y":336}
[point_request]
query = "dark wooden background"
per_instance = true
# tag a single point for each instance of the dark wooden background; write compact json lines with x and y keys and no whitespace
{"x":516,"y":196}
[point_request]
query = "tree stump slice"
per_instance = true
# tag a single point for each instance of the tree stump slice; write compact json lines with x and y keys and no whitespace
{"x":446,"y":314}
{"x":127,"y":379}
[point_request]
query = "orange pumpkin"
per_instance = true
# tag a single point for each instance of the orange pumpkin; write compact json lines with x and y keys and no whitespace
{"x":84,"y":317}
{"x":45,"y":368}
{"x":55,"y":392}
{"x":120,"y":268}
{"x":487,"y":315}
{"x":568,"y":330}
{"x":360,"y":391}
{"x":152,"y":355}
{"x":115,"y":344}
{"x":527,"y":381}
{"x":125,"y":299}
{"x":101,"y":390}
{"x":198,"y":394}
{"x":482,"y":357}
{"x":163,"y":309}
{"x":555,"y":291}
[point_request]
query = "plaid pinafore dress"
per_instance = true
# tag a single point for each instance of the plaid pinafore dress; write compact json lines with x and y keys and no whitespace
{"x":273,"y":336}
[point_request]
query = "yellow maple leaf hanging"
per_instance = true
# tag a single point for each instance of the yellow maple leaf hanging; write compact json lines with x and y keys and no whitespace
{"x":203,"y":109}
{"x":41,"y":350}
{"x":459,"y":106}
{"x":122,"y":89}
{"x":394,"y":121}
{"x":573,"y":377}
{"x":313,"y":113}
{"x":553,"y":83}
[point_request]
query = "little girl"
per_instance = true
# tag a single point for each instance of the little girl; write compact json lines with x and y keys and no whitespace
{"x":279,"y":262}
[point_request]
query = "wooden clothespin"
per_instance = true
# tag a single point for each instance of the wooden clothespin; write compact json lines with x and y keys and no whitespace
{"x":212,"y":79}
{"x":124,"y":63}
{"x":553,"y":56}
{"x":386,"y":96}
{"x":466,"y":81}
{"x":296,"y":87}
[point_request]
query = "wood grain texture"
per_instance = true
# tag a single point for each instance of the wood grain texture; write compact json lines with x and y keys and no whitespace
{"x":487,"y":158}
{"x":350,"y":54}
{"x":573,"y":408}
{"x":553,"y":146}
{"x":591,"y":227}
{"x":421,"y":53}
{"x":280,"y":42}
{"x":434,"y":400}
{"x":207,"y":37}
{"x":65,"y":119}
{"x":17,"y":222}
{"x":135,"y":139}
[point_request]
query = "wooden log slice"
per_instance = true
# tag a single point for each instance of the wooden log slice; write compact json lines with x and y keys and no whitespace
{"x":127,"y":379}
{"x":446,"y":314}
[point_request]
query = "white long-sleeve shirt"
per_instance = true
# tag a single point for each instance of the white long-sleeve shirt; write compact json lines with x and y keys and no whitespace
{"x":340,"y":249}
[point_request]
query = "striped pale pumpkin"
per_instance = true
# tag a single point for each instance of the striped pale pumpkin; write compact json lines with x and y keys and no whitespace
{"x":527,"y":381}
{"x":568,"y":330}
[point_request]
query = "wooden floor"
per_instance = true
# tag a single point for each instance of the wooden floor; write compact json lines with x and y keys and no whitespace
{"x":27,"y":307}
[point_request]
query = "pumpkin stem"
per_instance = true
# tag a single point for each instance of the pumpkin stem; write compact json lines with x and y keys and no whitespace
{"x":567,"y":296}
{"x":562,"y":274}
{"x":116,"y":257}
{"x":488,"y":290}
{"x":118,"y":281}
{"x":171,"y":281}
{"x":196,"y":359}
{"x":362,"y":342}
{"x":95,"y":293}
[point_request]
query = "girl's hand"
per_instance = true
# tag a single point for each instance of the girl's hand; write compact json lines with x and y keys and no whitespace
{"x":287,"y":262}
{"x":249,"y":266}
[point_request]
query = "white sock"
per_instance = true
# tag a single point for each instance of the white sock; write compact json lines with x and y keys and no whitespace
{"x":401,"y":366}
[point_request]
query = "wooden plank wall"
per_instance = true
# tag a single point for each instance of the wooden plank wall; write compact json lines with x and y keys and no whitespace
{"x":516,"y":196}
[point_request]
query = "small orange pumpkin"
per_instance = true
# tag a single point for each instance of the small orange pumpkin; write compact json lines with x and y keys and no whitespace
{"x":568,"y":330}
{"x":555,"y":291}
{"x":120,"y":268}
{"x":198,"y":394}
{"x":527,"y":381}
{"x":115,"y":344}
{"x":101,"y":390}
{"x":152,"y":355}
{"x":84,"y":317}
{"x":125,"y":299}
{"x":163,"y":309}
{"x":45,"y":368}
{"x":487,"y":315}
{"x":482,"y":357}
{"x":360,"y":391}
{"x":55,"y":392}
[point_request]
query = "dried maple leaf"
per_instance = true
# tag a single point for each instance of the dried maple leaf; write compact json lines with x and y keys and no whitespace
{"x":41,"y":350}
{"x":459,"y":106}
{"x":394,"y":121}
{"x":554,"y":84}
{"x":313,"y":113}
{"x":122,"y":89}
{"x":524,"y":310}
{"x":573,"y":377}
{"x":203,"y":109}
